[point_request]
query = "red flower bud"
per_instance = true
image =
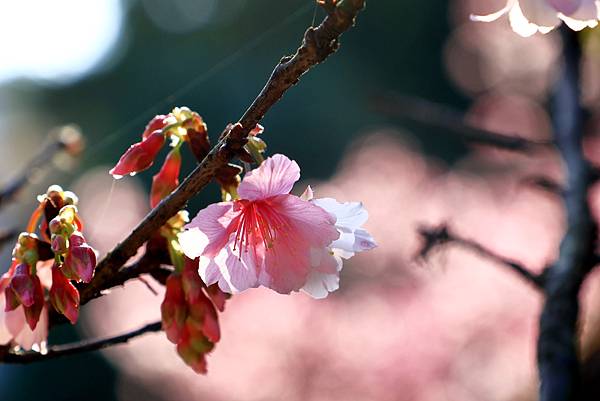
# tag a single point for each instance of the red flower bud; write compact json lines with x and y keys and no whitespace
{"x":173,"y":309}
{"x":80,"y":261}
{"x":64,"y":297}
{"x":139,"y":156}
{"x":33,"y":312}
{"x":167,"y":179}
{"x":192,"y":349}
{"x":25,"y":289}
{"x":202,"y":316}
{"x":23,"y":285}
{"x":217,"y":296}
{"x":59,"y":244}
{"x":157,"y":123}
{"x":198,"y":136}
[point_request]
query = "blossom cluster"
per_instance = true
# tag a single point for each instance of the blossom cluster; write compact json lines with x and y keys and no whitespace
{"x":51,"y":260}
{"x":528,"y":17}
{"x":259,"y":235}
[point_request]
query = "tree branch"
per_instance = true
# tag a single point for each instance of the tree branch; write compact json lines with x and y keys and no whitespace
{"x":557,"y":347}
{"x":440,"y":116}
{"x":66,"y":139}
{"x":439,"y":236}
{"x":78,"y":347}
{"x":317,"y":45}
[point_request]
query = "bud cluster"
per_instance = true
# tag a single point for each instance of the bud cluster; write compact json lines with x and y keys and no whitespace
{"x":189,"y":315}
{"x":60,"y":239}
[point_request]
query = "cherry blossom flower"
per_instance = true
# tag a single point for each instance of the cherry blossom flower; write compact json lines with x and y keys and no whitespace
{"x":528,"y":17}
{"x":328,"y":262}
{"x":265,"y":238}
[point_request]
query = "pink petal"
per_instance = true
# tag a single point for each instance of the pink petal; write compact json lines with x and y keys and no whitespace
{"x":208,"y":232}
{"x":567,"y":7}
{"x":275,"y":176}
{"x":288,"y":263}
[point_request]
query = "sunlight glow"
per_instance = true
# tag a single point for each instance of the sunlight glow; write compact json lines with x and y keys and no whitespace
{"x":57,"y":40}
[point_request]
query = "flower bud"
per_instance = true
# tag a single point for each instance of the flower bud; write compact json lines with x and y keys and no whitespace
{"x":139,"y":156}
{"x":192,"y":349}
{"x":80,"y":261}
{"x":64,"y":297}
{"x":23,"y":285}
{"x":59,"y":244}
{"x":70,"y":198}
{"x":197,"y":135}
{"x":167,"y":179}
{"x":157,"y":123}
{"x":173,"y":309}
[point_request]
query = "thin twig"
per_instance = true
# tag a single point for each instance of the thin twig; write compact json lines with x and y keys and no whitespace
{"x":557,"y":348}
{"x":317,"y":45}
{"x":78,"y":347}
{"x":66,"y":138}
{"x":441,"y":235}
{"x":441,"y":116}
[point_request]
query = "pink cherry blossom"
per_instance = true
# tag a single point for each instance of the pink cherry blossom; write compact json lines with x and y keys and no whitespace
{"x":327,"y":262}
{"x":528,"y":17}
{"x":265,"y":238}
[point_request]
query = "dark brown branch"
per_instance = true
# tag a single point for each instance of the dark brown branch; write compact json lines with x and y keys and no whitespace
{"x":441,"y":235}
{"x":151,"y":262}
{"x":78,"y":347}
{"x":317,"y":45}
{"x":557,"y":346}
{"x":441,"y":116}
{"x":65,"y":139}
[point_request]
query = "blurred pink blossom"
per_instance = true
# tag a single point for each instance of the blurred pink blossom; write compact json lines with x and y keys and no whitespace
{"x":528,"y":17}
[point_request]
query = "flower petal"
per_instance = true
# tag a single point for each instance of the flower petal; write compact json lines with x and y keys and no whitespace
{"x":319,"y":284}
{"x":349,"y":215}
{"x":275,"y":176}
{"x":288,"y":262}
{"x":208,"y":232}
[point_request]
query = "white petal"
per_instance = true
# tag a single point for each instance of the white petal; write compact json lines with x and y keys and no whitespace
{"x":349,"y":216}
{"x":524,"y":27}
{"x":319,"y":285}
{"x":193,"y":242}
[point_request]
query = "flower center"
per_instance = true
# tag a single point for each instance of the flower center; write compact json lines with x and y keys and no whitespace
{"x":258,"y":222}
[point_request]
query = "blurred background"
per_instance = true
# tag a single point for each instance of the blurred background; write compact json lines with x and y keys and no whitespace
{"x":454,"y":327}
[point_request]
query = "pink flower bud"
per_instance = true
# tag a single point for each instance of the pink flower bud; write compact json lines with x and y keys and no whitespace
{"x":173,"y":309}
{"x":23,"y":284}
{"x":80,"y":261}
{"x":139,"y":156}
{"x":25,"y":289}
{"x":59,"y":244}
{"x":167,"y":179}
{"x":64,"y":297}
